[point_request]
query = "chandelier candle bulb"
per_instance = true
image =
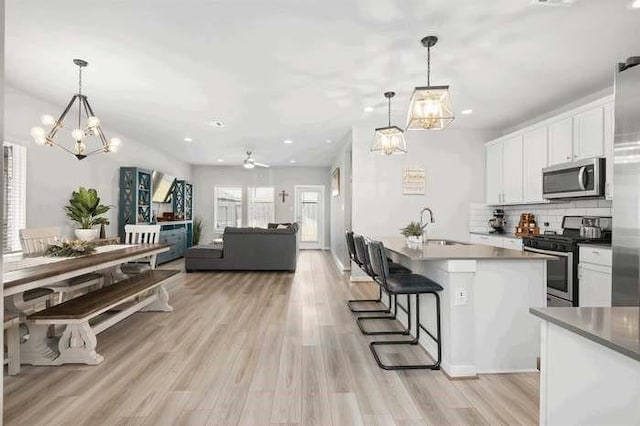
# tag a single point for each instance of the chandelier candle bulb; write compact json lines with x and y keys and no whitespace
{"x":47,"y":120}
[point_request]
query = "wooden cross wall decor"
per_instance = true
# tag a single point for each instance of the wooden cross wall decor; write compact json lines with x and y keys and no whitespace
{"x":283,"y":194}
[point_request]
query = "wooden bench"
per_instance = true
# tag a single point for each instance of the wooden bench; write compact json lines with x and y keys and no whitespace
{"x":84,"y":319}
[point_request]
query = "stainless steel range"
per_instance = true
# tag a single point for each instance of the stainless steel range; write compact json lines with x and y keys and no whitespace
{"x":562,"y":274}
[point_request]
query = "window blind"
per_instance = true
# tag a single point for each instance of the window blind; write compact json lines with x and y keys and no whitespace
{"x":14,"y":195}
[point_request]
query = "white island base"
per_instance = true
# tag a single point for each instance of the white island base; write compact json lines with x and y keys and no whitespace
{"x":486,"y":325}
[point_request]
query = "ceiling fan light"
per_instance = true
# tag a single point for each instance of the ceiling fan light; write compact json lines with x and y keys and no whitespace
{"x":430,"y":108}
{"x":248,"y":165}
{"x":389,"y":140}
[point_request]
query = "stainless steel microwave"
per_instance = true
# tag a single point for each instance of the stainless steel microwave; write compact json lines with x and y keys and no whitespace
{"x":584,"y":178}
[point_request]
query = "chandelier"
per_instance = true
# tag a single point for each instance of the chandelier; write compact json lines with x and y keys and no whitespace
{"x":389,"y":140}
{"x":430,"y":106}
{"x":82,"y":132}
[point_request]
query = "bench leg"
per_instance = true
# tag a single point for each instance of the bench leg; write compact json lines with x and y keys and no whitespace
{"x":13,"y":349}
{"x":77,"y":345}
{"x":162,"y":302}
{"x":35,"y":350}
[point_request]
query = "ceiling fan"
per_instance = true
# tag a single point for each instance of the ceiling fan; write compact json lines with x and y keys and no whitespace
{"x":250,"y":163}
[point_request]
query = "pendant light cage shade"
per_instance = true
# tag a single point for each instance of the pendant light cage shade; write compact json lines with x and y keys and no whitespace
{"x":389,"y":140}
{"x":430,"y":108}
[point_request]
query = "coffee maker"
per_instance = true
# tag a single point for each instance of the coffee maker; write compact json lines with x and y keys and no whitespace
{"x":497,"y":222}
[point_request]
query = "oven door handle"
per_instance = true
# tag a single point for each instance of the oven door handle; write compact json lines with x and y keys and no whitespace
{"x":581,"y":183}
{"x":550,"y":253}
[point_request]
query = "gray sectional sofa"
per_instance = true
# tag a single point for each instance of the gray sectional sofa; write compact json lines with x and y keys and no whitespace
{"x":248,"y":249}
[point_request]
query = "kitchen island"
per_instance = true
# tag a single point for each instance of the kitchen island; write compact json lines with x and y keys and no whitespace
{"x":590,"y":365}
{"x":488,"y":291}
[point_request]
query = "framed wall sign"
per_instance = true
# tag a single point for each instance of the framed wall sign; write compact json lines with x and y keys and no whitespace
{"x":413,"y":181}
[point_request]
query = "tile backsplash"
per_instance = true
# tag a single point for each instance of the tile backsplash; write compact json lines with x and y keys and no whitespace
{"x":551,"y":213}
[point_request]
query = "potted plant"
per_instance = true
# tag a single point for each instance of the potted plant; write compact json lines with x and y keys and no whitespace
{"x":197,"y":230}
{"x":414,"y":232}
{"x":85,"y":209}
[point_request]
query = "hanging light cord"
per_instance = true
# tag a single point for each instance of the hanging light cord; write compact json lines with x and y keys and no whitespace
{"x":389,"y":111}
{"x":79,"y":93}
{"x":428,"y":66}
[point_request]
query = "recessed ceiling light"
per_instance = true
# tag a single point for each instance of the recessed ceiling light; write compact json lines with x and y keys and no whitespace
{"x":368,"y":109}
{"x":188,"y":140}
{"x":220,"y":160}
{"x":217,"y":123}
{"x":329,"y":141}
{"x":466,"y":111}
{"x":288,"y":141}
{"x":292,"y":161}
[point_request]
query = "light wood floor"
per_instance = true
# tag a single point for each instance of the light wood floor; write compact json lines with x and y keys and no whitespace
{"x":257,"y":348}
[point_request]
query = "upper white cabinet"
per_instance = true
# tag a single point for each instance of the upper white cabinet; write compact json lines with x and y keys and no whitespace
{"x":609,"y":134}
{"x":588,"y":134}
{"x":535,"y":159}
{"x":512,"y":170}
{"x":494,"y":173}
{"x":561,"y":141}
{"x":515,"y":162}
{"x":504,"y":171}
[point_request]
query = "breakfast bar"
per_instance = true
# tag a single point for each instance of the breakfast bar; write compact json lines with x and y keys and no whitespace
{"x":488,"y":291}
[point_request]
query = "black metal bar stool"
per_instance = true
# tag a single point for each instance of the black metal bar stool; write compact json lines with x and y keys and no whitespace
{"x":407,"y":285}
{"x":394,"y":270}
{"x":358,"y":257}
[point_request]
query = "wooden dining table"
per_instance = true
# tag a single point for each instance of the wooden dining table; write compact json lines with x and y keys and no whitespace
{"x":45,"y":273}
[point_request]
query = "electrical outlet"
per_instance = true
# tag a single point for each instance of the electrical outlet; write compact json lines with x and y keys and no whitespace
{"x":461,"y":296}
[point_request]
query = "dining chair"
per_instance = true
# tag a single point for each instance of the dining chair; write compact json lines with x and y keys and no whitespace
{"x":35,"y":242}
{"x":140,"y":234}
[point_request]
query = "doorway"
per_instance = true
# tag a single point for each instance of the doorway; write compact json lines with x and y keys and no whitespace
{"x":309,"y":213}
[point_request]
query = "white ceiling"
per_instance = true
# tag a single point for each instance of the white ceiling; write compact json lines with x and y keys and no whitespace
{"x":161,"y":70}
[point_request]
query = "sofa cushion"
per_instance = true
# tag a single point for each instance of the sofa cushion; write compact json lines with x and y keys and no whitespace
{"x":204,"y":252}
{"x":232,"y":230}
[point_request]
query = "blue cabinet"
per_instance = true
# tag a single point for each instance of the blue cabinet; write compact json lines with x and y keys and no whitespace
{"x":177,"y":236}
{"x":135,"y":198}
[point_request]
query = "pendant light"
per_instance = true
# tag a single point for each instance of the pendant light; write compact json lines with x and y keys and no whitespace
{"x":389,"y":140}
{"x":430,"y":107}
{"x":80,"y":133}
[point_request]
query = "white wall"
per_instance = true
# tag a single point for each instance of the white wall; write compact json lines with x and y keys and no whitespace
{"x":341,"y":204}
{"x":53,"y":174}
{"x":206,"y":178}
{"x":454,"y":164}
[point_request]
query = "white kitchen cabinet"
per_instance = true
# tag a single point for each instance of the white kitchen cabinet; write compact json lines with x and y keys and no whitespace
{"x":609,"y":136}
{"x":595,"y":285}
{"x":494,"y":178}
{"x":535,"y":159}
{"x":486,"y":240}
{"x":512,"y":170}
{"x":594,"y":276}
{"x":561,"y":141}
{"x":512,"y":243}
{"x":588,"y":134}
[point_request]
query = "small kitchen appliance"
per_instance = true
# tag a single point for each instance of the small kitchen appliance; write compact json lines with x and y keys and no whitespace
{"x":498,"y":222}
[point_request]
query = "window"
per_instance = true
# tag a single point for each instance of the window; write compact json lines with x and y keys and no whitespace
{"x":228,"y":206}
{"x":260,"y":205}
{"x":14,"y":195}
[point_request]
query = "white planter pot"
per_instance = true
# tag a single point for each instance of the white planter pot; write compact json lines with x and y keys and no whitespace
{"x":86,"y":234}
{"x":414,"y":239}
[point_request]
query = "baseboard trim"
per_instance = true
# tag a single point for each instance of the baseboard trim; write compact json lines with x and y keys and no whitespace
{"x":337,"y":261}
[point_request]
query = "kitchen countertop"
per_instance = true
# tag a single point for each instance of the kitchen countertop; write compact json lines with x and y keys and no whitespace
{"x":495,"y":234}
{"x":456,"y":252}
{"x":616,"y":328}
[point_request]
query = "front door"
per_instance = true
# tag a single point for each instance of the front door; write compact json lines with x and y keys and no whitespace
{"x":310,"y":216}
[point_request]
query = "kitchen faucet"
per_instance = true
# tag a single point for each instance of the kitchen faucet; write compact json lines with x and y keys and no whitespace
{"x":430,"y":216}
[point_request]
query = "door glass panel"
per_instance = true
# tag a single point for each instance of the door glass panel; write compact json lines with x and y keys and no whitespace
{"x":557,"y":275}
{"x":309,"y":213}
